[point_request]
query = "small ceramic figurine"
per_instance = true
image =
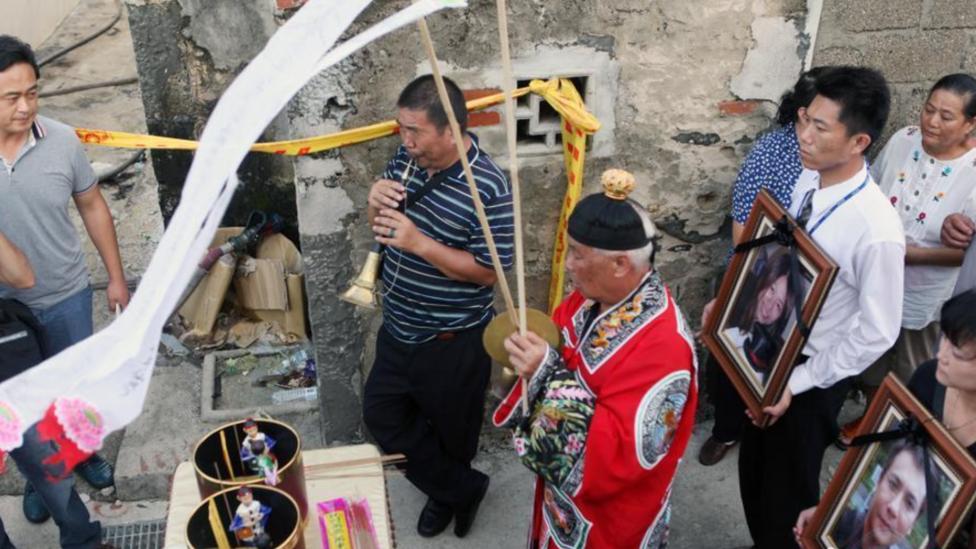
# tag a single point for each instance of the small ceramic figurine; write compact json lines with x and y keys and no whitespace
{"x":256,"y":451}
{"x":250,"y":520}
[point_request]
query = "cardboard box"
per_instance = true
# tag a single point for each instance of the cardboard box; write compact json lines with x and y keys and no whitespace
{"x":278,"y":249}
{"x":260,"y":284}
{"x":270,"y":286}
{"x":201,"y":308}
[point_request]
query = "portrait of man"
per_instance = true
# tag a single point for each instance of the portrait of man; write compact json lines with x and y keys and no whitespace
{"x":888,"y":506}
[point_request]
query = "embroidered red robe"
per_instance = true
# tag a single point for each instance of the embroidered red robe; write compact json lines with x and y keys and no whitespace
{"x":636,"y":360}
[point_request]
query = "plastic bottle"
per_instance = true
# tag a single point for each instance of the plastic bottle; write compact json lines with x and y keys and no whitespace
{"x":296,"y":360}
{"x":291,"y":395}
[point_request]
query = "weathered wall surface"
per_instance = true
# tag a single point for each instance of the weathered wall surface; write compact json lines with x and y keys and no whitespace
{"x":33,"y":22}
{"x":187,"y":52}
{"x":913,"y":42}
{"x":661,"y":76}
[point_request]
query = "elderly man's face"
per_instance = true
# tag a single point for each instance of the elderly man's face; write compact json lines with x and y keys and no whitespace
{"x":897,"y":502}
{"x":592,"y":272}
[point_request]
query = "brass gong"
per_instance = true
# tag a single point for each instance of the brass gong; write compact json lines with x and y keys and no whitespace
{"x":501,"y":327}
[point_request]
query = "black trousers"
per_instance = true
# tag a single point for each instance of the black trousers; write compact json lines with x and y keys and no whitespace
{"x":427,"y":401}
{"x":730,"y":412}
{"x":779,"y":467}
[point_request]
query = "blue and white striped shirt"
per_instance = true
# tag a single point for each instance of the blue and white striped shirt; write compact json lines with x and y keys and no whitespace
{"x":419,"y":300}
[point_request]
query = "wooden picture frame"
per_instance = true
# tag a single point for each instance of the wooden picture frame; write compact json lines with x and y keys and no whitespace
{"x":761,"y":371}
{"x":862,"y":472}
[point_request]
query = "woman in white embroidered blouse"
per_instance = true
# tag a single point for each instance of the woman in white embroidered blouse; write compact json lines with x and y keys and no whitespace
{"x":928,"y":172}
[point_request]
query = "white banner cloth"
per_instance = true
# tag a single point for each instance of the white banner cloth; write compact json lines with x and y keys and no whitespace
{"x":99,"y":385}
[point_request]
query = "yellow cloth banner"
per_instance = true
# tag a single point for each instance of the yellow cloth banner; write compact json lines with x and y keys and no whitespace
{"x":574,"y":155}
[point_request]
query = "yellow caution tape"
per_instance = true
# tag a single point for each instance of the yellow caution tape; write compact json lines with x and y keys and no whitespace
{"x":561,"y":95}
{"x":554,"y":92}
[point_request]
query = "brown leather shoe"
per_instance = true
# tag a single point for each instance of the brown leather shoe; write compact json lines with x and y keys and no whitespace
{"x":713,"y":451}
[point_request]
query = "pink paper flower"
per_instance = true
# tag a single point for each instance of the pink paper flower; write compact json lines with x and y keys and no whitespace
{"x":10,"y":428}
{"x":82,"y":423}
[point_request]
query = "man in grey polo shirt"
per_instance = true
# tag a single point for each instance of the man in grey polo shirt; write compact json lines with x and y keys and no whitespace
{"x":43,"y":169}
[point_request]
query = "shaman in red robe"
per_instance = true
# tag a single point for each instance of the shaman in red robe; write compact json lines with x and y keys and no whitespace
{"x":612,"y":415}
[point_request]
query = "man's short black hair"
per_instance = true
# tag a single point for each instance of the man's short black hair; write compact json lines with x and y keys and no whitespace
{"x":863,"y":96}
{"x":958,"y":320}
{"x":421,"y":95}
{"x":13,"y":51}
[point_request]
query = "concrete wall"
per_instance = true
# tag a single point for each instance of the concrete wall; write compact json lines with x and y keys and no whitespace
{"x":913,"y":42}
{"x":683,"y":89}
{"x":34,"y":21}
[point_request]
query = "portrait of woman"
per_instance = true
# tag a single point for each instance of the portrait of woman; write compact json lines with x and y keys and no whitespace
{"x":770,"y":297}
{"x":757,"y":332}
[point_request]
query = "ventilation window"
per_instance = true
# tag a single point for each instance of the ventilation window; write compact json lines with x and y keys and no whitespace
{"x":538,"y":125}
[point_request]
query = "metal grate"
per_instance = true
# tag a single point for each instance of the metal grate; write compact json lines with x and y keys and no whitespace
{"x":137,"y":535}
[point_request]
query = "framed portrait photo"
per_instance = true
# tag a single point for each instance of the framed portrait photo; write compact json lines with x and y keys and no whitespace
{"x":753,"y":331}
{"x":884,"y":492}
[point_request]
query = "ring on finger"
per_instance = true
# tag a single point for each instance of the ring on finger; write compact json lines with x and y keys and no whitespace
{"x":392,"y":232}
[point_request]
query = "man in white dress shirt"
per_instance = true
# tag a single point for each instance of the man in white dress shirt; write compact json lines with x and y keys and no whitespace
{"x":853,"y":222}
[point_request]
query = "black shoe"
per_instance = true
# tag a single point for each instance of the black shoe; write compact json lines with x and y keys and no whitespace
{"x":434,"y":518}
{"x":713,"y":451}
{"x":463,"y":519}
{"x":97,"y":472}
{"x":34,"y":509}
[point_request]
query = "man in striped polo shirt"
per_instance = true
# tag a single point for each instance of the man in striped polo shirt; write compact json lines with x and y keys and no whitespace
{"x":425,"y":394}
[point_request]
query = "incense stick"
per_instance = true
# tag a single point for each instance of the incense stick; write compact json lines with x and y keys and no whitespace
{"x":392,"y":459}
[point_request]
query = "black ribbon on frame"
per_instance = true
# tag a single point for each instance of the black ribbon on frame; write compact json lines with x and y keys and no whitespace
{"x":913,"y":430}
{"x":783,"y":235}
